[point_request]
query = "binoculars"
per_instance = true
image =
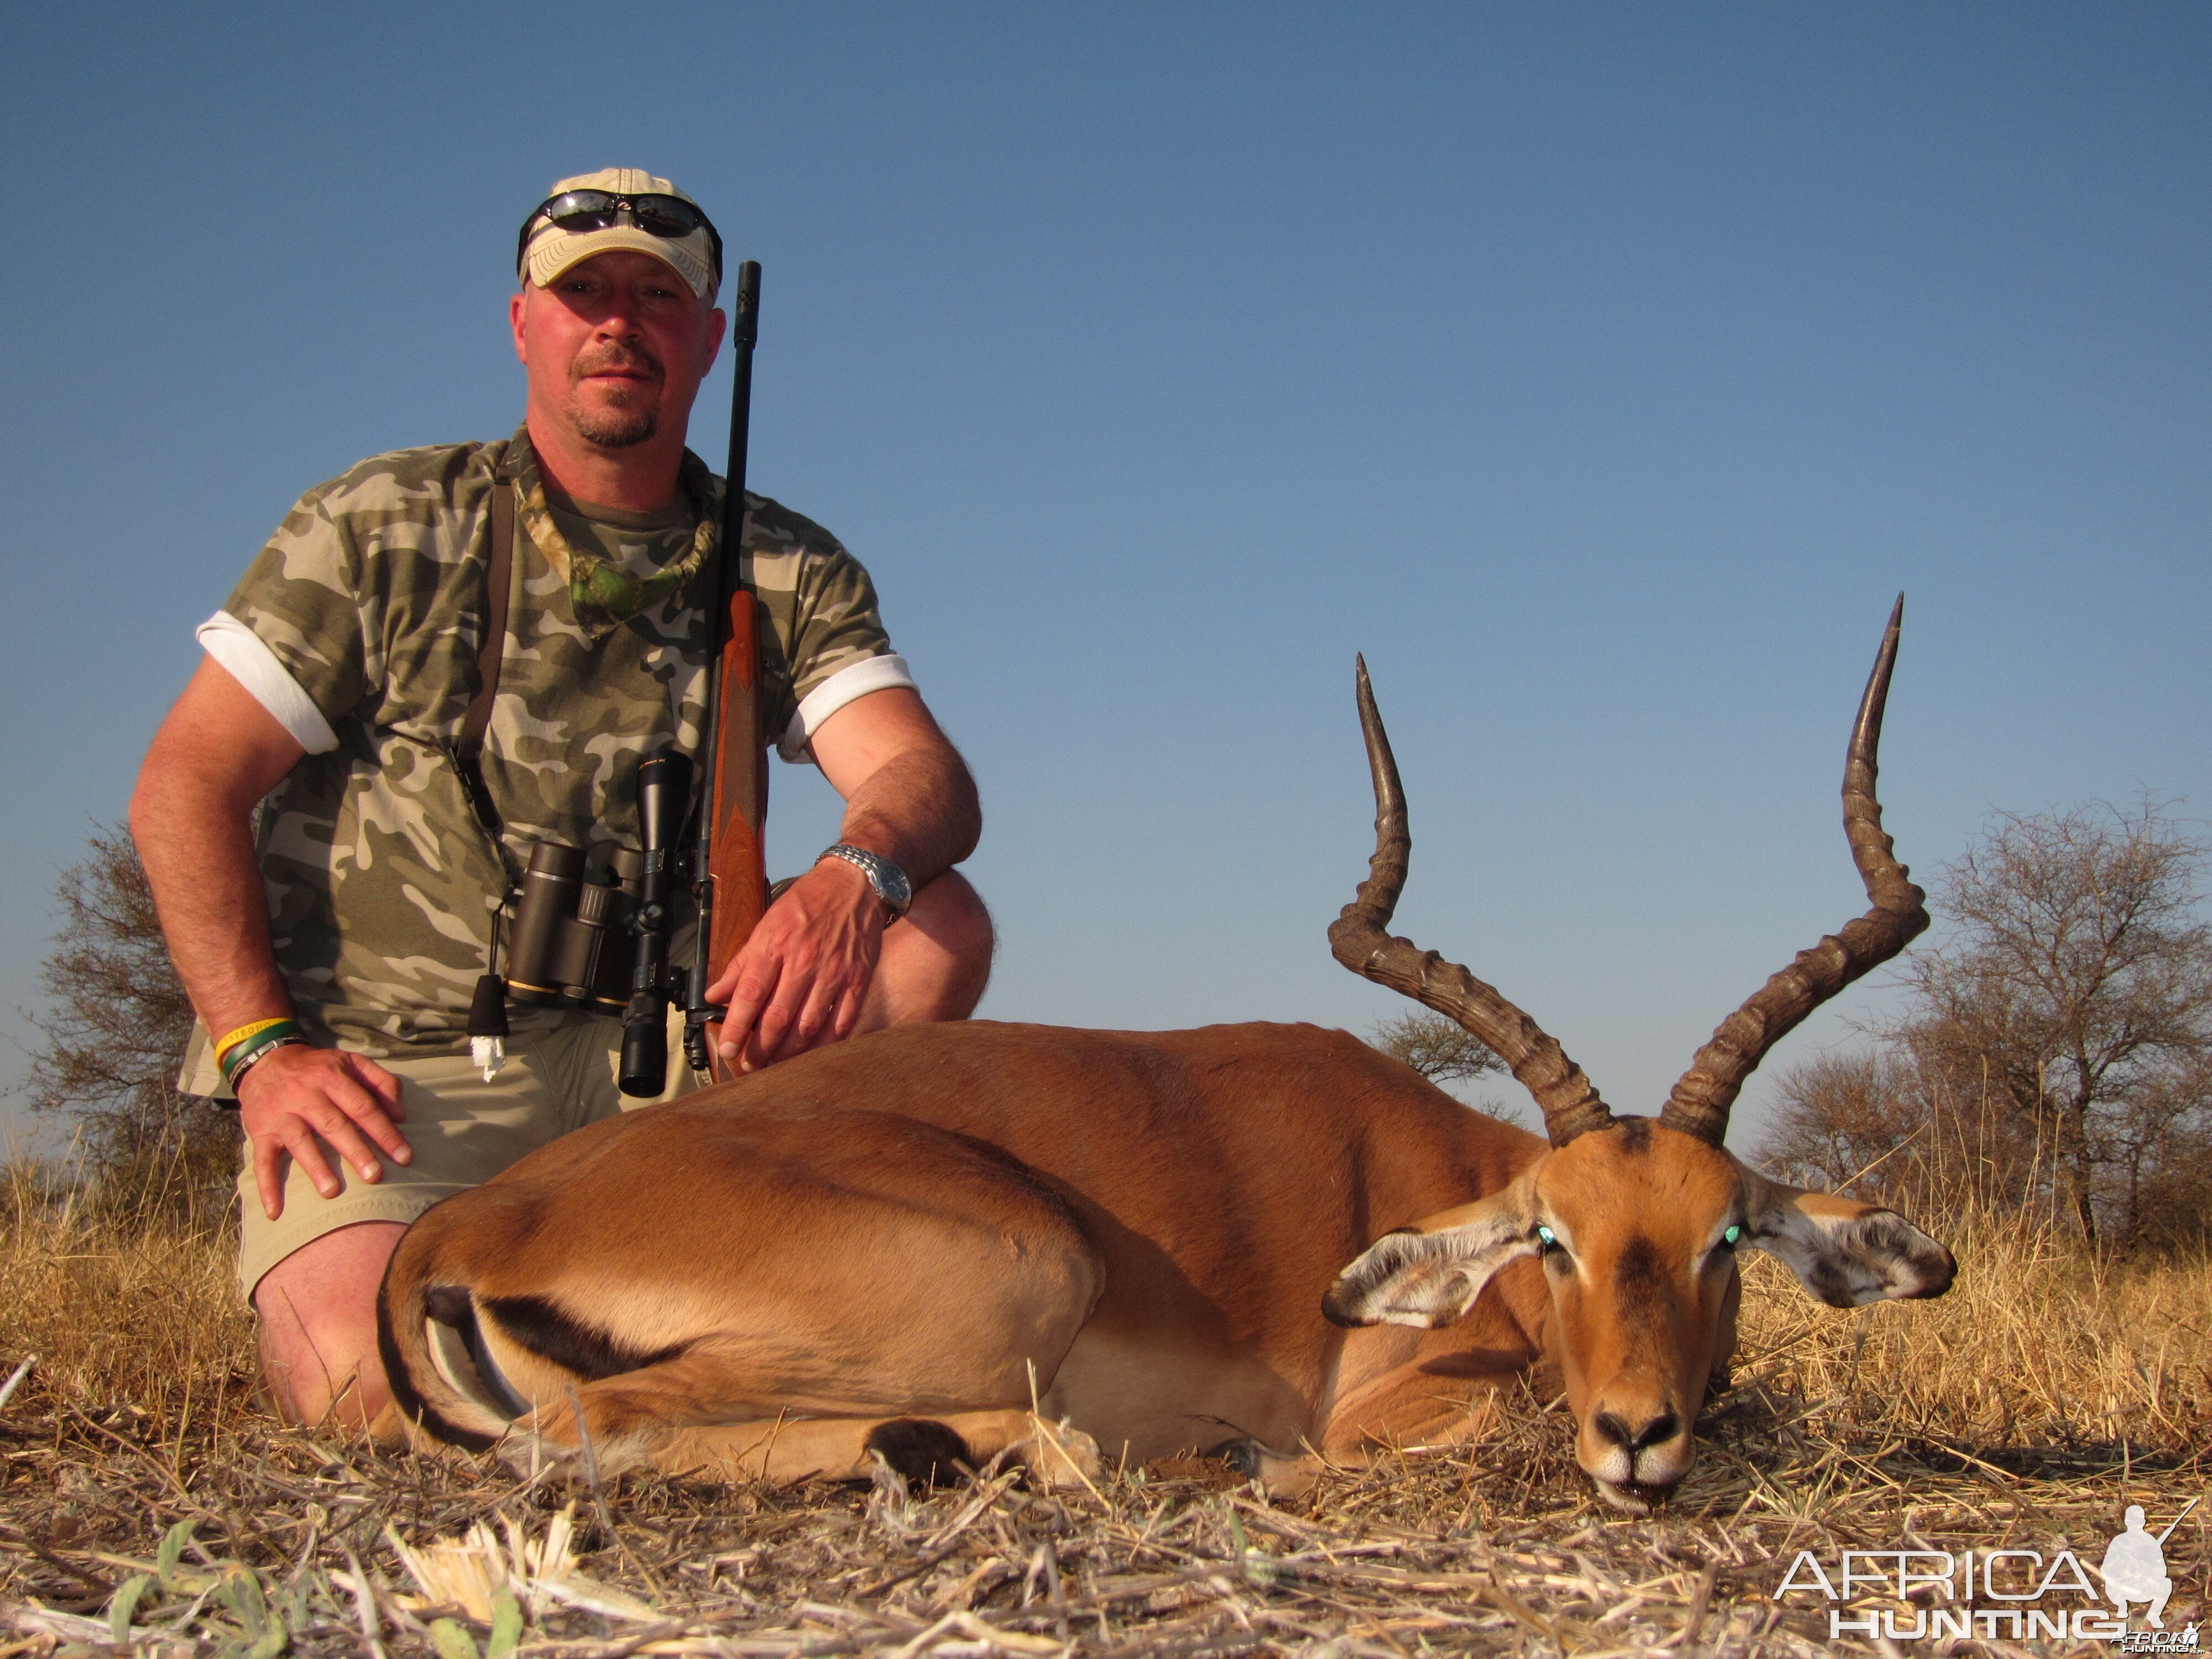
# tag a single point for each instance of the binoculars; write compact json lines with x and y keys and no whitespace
{"x":598,"y":940}
{"x":572,"y":944}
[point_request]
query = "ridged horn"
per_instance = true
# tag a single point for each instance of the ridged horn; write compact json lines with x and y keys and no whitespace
{"x":1701,"y":1102}
{"x":1359,"y":939}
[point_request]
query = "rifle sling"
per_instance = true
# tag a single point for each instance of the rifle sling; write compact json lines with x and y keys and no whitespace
{"x":468,"y":749}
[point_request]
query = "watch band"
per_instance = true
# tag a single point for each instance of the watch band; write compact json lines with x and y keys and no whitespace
{"x":887,"y":881}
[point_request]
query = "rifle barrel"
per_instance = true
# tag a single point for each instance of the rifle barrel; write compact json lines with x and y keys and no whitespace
{"x":745,"y":333}
{"x":2176,"y":1521}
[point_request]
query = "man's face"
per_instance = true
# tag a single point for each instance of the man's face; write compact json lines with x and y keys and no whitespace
{"x":616,"y":347}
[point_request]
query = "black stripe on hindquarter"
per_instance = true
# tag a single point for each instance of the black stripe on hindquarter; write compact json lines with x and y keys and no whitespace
{"x":405,"y":1396}
{"x":451,"y":1306}
{"x":554,"y":1335}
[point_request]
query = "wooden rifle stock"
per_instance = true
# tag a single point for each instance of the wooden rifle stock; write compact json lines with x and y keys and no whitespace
{"x":736,"y":859}
{"x":733,"y":791}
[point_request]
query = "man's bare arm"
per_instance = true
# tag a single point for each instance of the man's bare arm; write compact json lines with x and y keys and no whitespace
{"x":799,"y":979}
{"x":218,"y":753}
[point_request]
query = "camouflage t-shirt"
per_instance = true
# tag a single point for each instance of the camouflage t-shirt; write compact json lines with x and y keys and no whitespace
{"x":382,"y":881}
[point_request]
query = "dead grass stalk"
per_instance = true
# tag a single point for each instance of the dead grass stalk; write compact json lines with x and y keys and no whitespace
{"x":146,"y":1500}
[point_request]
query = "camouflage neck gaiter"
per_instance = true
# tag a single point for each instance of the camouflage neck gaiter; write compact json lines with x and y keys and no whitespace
{"x":604,"y":594}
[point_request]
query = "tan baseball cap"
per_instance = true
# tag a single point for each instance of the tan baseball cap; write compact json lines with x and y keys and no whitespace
{"x":548,"y":250}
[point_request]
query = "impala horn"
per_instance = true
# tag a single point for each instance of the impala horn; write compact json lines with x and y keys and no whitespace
{"x":1699,"y":1105}
{"x":1358,"y":938}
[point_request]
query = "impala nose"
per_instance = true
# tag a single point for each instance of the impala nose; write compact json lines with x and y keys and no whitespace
{"x":1632,"y":1439}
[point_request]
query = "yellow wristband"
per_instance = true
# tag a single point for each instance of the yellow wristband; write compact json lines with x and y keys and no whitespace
{"x":244,"y":1032}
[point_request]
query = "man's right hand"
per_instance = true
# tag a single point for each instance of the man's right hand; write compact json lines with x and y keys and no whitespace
{"x":218,"y":753}
{"x":293,"y":1099}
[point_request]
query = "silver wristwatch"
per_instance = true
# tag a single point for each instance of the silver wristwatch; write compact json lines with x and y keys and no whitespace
{"x":888,"y":880}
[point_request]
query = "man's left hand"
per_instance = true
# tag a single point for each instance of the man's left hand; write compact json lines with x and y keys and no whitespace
{"x":800,"y":979}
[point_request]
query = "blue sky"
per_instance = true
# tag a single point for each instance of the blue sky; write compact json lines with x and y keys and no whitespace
{"x":1601,"y":372}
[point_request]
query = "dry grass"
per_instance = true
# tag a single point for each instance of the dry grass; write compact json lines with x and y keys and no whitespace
{"x":2038,"y":1344}
{"x":145,"y":1321}
{"x":2023,"y":1410}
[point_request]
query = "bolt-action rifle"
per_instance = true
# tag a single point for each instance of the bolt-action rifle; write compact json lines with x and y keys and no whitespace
{"x":727,"y":868}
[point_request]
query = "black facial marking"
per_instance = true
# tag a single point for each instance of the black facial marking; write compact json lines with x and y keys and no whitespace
{"x":1638,"y":1278}
{"x":1635,"y":1134}
{"x":551,"y":1334}
{"x":920,"y":1448}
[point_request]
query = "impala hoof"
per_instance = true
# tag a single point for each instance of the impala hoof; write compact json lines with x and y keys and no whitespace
{"x":920,"y":1449}
{"x":1060,"y":1455}
{"x":1290,"y":1477}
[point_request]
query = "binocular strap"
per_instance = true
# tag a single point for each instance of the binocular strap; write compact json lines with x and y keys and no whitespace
{"x":498,"y":575}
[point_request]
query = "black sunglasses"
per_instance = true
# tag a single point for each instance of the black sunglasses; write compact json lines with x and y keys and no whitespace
{"x":668,"y":216}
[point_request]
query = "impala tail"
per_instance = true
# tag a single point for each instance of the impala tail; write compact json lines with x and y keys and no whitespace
{"x":443,"y":1377}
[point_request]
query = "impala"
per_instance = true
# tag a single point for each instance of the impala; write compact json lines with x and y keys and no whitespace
{"x":930,"y":1244}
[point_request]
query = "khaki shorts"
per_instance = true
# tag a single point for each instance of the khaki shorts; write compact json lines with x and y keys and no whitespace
{"x":462,"y":1130}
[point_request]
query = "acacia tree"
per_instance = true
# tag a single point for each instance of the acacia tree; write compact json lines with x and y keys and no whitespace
{"x":2075,"y":989}
{"x":1878,"y":1122}
{"x":1839,"y":1116}
{"x":2156,"y":1185}
{"x":116,"y":1024}
{"x":1442,"y":1050}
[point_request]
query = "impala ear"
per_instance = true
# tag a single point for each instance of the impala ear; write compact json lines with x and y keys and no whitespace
{"x":1845,"y":1253}
{"x":1429,"y":1274}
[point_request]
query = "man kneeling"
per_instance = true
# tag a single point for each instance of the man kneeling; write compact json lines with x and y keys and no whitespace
{"x":332,"y":936}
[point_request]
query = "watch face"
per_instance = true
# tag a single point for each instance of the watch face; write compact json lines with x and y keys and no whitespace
{"x":897,"y":890}
{"x":885,"y":879}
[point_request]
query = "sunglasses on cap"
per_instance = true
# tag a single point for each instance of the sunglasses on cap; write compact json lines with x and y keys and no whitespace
{"x":670,"y":217}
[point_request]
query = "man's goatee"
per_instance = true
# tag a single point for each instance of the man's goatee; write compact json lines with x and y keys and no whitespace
{"x":618,"y":428}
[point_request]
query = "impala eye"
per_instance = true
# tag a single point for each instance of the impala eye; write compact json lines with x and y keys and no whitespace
{"x":1730,"y":1236}
{"x":1547,"y":1239}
